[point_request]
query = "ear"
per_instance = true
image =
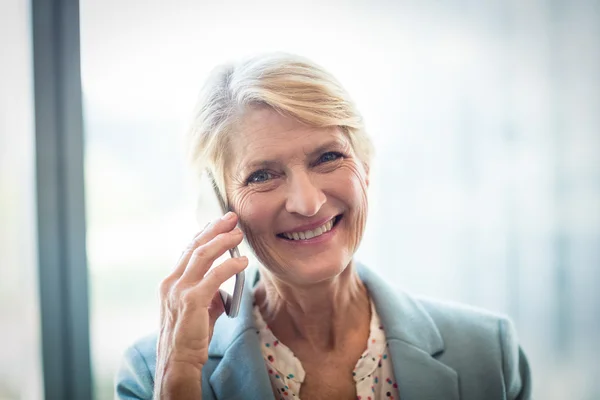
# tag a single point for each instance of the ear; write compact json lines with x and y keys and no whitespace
{"x":367,"y":173}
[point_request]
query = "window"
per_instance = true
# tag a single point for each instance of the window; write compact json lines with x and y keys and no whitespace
{"x":485,"y":185}
{"x":20,"y":352}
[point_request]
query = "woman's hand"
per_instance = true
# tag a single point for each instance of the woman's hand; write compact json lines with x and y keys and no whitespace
{"x":190,"y":305}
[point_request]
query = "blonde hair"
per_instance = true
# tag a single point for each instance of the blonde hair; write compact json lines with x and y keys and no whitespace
{"x":291,"y":85}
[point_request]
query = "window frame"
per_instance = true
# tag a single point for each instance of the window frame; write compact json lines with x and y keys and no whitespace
{"x":61,"y":226}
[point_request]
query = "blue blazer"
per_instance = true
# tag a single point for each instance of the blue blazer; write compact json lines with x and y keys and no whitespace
{"x":439,"y":352}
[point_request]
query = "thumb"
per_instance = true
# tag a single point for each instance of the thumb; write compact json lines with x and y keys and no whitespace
{"x":215,"y":309}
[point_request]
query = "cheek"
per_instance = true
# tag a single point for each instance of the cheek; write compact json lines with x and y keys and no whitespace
{"x":255,"y":215}
{"x":252,"y":213}
{"x":352,"y":186}
{"x":356,"y":198}
{"x":248,"y":210}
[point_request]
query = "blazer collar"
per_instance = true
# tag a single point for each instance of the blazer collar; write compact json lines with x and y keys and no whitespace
{"x":413,"y":338}
{"x":414,"y":342}
{"x":405,"y":319}
{"x":240,"y":372}
{"x":227,"y":330}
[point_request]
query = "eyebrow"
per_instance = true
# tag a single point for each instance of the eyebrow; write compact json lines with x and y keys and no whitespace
{"x":264,"y":164}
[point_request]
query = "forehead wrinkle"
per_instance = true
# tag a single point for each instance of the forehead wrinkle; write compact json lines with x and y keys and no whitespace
{"x":338,"y":138}
{"x":308,"y":149}
{"x":265,"y":129}
{"x":272,"y":138}
{"x":264,"y":142}
{"x":255,"y":159}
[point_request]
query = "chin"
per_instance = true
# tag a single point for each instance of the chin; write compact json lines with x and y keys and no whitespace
{"x":316,"y":272}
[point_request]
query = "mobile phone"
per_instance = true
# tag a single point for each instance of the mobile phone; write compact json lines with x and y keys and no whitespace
{"x":231,"y":302}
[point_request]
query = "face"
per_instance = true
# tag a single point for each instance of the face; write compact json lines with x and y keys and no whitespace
{"x":300,"y":193}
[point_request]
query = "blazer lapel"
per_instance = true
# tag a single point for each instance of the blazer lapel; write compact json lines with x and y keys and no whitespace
{"x":240,"y":373}
{"x":413,"y":338}
{"x":420,"y":376}
{"x":414,"y":342}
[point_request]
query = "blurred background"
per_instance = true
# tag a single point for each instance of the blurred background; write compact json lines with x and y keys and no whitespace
{"x":486,"y":183}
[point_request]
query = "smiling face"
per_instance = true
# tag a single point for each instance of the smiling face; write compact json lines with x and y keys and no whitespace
{"x":300,"y":193}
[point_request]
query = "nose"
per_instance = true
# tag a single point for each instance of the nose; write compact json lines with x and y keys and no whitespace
{"x":303,"y":196}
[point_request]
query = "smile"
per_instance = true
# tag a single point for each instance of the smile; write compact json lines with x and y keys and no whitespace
{"x":309,"y":234}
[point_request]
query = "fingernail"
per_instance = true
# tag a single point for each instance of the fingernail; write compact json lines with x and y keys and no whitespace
{"x":227,"y":216}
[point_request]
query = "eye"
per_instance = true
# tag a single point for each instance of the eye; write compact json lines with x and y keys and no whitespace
{"x":329,"y":156}
{"x":259,"y":177}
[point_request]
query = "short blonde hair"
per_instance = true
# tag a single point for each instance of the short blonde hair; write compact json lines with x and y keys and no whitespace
{"x":291,"y":85}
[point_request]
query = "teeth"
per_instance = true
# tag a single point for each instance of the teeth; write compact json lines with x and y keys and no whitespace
{"x":326,"y":227}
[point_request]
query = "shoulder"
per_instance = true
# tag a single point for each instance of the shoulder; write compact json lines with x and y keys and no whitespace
{"x":469,"y":333}
{"x":478,"y":343}
{"x":457,"y":319}
{"x":481,"y":347}
{"x":135,"y":376}
{"x":134,"y":379}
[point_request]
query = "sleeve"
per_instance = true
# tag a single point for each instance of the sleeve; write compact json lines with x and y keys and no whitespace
{"x":515,"y":367}
{"x":133,"y":380}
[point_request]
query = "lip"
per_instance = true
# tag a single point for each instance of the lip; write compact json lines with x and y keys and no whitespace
{"x":309,"y":227}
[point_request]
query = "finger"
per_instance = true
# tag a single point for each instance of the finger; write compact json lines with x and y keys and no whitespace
{"x":218,"y":275}
{"x":212,"y":229}
{"x":204,"y":256}
{"x":184,"y":257}
{"x":216,"y":307}
{"x":215,"y":310}
{"x":196,"y":235}
{"x":207,"y":290}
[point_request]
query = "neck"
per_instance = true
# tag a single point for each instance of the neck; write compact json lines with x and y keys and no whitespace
{"x":316,"y":315}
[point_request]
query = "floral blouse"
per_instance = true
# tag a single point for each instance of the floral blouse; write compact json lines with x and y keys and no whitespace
{"x":373,"y":373}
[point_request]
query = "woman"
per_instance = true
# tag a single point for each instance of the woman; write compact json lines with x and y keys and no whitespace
{"x":290,"y":155}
